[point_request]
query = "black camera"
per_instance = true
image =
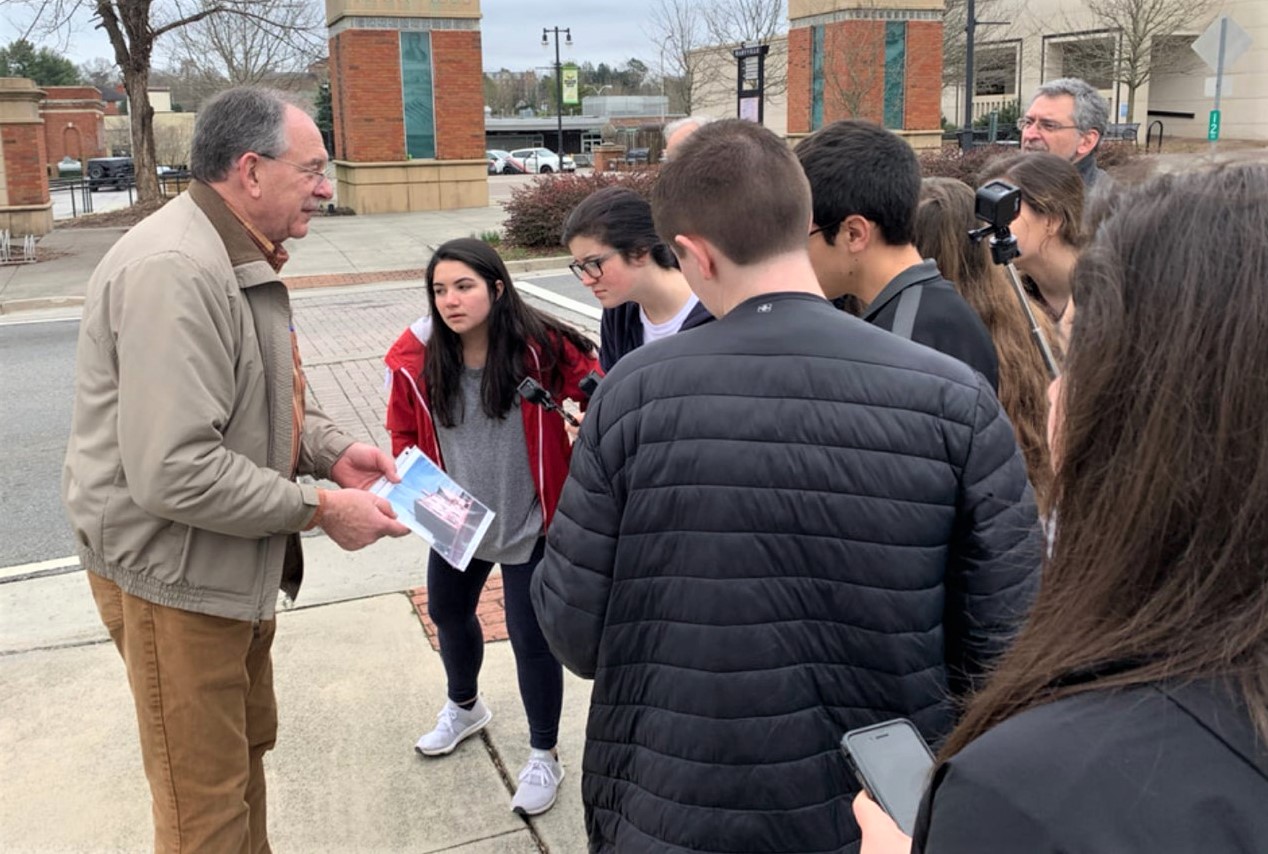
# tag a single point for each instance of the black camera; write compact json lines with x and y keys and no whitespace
{"x":997,"y":204}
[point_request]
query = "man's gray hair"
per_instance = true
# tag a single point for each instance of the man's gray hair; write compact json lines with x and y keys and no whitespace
{"x":247,"y":118}
{"x":1091,"y":110}
{"x":678,"y":124}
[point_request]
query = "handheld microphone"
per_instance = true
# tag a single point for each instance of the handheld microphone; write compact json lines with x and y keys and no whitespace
{"x":532,"y":391}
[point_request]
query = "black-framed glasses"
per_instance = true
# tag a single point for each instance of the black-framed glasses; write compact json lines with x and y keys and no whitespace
{"x":819,"y":230}
{"x":1045,"y":125}
{"x":310,"y":171}
{"x":592,"y":267}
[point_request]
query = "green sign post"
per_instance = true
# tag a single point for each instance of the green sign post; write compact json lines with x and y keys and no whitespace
{"x":1213,"y":126}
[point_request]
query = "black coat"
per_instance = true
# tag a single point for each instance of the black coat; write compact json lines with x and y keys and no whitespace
{"x":943,"y":320}
{"x":1158,"y":769}
{"x":778,"y":526}
{"x":621,"y":330}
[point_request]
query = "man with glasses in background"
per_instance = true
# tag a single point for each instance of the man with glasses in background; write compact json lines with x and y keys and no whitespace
{"x":190,"y":426}
{"x":1067,"y":117}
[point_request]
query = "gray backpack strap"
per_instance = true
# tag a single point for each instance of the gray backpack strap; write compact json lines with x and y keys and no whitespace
{"x":905,"y":316}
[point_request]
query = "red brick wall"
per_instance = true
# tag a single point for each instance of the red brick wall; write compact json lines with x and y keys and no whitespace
{"x":73,"y":123}
{"x":922,"y":101}
{"x":854,"y":71}
{"x":24,"y":159}
{"x":365,"y":91}
{"x":458,"y":94}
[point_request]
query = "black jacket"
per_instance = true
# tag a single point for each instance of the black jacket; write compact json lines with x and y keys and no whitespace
{"x":621,"y":330}
{"x":1158,"y":769}
{"x":943,"y":320}
{"x":777,"y":527}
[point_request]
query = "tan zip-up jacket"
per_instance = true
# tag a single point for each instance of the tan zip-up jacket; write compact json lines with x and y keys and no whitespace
{"x":177,"y":478}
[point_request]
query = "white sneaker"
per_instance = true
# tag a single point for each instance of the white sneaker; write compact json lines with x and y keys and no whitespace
{"x":539,"y":783}
{"x":453,"y":724}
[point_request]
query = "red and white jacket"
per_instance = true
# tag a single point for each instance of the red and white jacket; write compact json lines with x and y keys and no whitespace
{"x":409,"y":418}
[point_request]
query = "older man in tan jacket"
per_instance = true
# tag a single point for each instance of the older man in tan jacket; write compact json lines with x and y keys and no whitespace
{"x":191,"y":424}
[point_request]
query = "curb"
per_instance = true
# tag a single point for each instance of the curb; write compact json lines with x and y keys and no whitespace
{"x":533,"y":265}
{"x":14,"y":306}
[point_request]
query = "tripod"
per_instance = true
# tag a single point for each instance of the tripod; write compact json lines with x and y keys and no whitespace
{"x":1003,"y":251}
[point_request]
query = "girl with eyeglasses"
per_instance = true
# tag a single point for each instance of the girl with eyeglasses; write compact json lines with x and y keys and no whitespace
{"x":634,"y":276}
{"x":453,"y":396}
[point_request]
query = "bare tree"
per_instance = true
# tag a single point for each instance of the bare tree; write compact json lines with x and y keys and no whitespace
{"x":245,"y":51}
{"x":1149,"y":42}
{"x":134,"y":27}
{"x":735,"y":22}
{"x":680,"y":29}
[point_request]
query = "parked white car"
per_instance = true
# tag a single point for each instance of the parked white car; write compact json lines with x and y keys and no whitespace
{"x":543,"y":160}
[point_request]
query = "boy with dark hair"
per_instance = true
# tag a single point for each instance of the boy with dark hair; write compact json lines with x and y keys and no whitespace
{"x":865,"y":183}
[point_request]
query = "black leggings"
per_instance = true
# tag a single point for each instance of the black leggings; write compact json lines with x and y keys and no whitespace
{"x":452,"y":597}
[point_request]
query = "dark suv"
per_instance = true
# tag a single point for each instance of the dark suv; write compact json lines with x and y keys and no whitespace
{"x":114,"y":172}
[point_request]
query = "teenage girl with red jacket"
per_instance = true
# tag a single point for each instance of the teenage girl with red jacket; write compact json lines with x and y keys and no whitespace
{"x":453,"y":395}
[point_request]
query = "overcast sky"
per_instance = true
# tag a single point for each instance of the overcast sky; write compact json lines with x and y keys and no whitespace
{"x":608,"y":31}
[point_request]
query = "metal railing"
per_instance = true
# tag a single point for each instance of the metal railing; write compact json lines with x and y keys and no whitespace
{"x":79,"y":189}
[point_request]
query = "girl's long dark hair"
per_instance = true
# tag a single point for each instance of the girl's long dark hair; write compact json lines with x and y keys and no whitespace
{"x":514,"y":327}
{"x":943,"y":222}
{"x":1159,"y":567}
{"x":620,"y":218}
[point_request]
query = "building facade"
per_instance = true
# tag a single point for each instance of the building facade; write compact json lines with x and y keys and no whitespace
{"x":1049,"y":39}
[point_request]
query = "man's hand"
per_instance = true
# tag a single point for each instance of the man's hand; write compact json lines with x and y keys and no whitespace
{"x":361,"y":465}
{"x":880,"y":834}
{"x":354,"y":519}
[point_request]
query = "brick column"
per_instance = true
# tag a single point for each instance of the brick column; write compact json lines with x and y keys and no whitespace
{"x":25,"y":207}
{"x":881,"y":62}
{"x":407,"y":92}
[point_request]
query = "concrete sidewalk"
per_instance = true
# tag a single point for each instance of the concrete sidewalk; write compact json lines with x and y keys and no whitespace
{"x":357,"y":682}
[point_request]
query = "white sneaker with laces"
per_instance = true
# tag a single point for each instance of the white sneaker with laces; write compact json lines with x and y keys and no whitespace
{"x":539,"y":783}
{"x":453,"y":724}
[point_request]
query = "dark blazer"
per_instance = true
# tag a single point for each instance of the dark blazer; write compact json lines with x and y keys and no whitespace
{"x":942,"y":319}
{"x":621,"y":330}
{"x":1158,"y":769}
{"x":780,"y":526}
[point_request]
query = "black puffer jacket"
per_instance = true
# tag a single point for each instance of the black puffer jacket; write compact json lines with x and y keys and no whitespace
{"x":777,"y":527}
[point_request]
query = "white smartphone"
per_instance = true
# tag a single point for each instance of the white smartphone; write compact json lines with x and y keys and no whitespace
{"x":893,"y":763}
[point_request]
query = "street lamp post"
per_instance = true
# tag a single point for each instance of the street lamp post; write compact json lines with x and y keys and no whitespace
{"x":559,"y":80}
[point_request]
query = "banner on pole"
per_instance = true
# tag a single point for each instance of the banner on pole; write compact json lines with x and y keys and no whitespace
{"x":570,"y":85}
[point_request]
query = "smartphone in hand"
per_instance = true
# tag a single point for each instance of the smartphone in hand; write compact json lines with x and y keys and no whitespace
{"x":893,"y":763}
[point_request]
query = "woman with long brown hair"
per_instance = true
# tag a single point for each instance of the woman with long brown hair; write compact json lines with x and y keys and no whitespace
{"x":1049,"y":229}
{"x":943,"y":221}
{"x":1131,"y":713}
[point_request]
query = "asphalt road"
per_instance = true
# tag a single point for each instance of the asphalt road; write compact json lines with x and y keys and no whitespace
{"x":37,"y":363}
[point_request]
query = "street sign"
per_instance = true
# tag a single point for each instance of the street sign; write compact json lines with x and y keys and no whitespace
{"x":1236,"y":42}
{"x":1213,"y":126}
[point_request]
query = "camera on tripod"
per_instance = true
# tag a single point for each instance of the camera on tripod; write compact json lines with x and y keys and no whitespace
{"x":997,"y":204}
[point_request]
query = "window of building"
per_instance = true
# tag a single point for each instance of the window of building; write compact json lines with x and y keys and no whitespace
{"x":1091,"y":59}
{"x":816,"y":77}
{"x":995,"y":70}
{"x":895,"y":71}
{"x":416,"y":93}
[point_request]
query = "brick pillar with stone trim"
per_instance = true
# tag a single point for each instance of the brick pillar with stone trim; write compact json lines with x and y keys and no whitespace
{"x":880,"y":61}
{"x":407,"y":93}
{"x":25,"y":205}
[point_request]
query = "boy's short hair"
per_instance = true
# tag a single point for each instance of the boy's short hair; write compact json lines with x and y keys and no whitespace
{"x":859,"y":168}
{"x":737,"y":185}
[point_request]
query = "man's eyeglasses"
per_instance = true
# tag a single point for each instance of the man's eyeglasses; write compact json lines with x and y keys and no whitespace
{"x":1045,"y":125}
{"x":592,"y":267}
{"x":318,"y":175}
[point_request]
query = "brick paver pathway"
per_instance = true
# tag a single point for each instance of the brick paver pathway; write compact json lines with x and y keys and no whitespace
{"x":342,"y":338}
